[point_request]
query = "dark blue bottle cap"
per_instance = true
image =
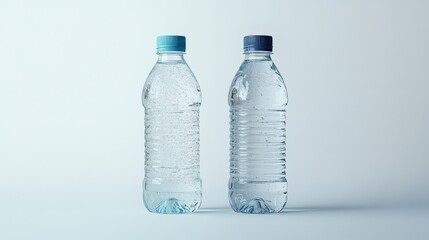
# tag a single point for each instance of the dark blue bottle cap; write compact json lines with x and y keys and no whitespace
{"x":258,"y":43}
{"x":171,"y":43}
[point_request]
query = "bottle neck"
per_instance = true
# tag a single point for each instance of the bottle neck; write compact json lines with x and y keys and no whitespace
{"x":169,"y":57}
{"x":257,"y":56}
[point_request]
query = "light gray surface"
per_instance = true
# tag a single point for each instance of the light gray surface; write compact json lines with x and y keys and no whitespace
{"x":71,"y":121}
{"x":297,"y":223}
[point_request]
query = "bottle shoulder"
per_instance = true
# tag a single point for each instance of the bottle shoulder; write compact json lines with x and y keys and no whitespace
{"x":171,"y":84}
{"x":258,"y":84}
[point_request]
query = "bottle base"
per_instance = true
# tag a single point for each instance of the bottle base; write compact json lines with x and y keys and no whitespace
{"x":256,"y":206}
{"x":258,"y":202}
{"x":172,"y":203}
{"x":172,"y":206}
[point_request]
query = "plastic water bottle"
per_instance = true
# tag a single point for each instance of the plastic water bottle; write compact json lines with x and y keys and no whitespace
{"x":257,"y":99}
{"x":172,"y":99}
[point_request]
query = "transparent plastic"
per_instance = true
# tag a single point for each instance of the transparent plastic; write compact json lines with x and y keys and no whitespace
{"x":172,"y":99}
{"x":258,"y":99}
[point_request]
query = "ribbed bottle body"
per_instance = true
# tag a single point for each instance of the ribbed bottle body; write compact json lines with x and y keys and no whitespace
{"x":258,"y":99}
{"x":172,"y":100}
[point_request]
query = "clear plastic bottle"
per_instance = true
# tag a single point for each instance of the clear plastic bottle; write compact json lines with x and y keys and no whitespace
{"x":257,"y":99}
{"x":172,"y":99}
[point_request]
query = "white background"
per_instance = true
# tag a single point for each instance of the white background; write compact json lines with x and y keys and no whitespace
{"x":71,"y":120}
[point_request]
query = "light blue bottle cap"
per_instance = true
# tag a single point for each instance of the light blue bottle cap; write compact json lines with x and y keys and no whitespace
{"x":171,"y":43}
